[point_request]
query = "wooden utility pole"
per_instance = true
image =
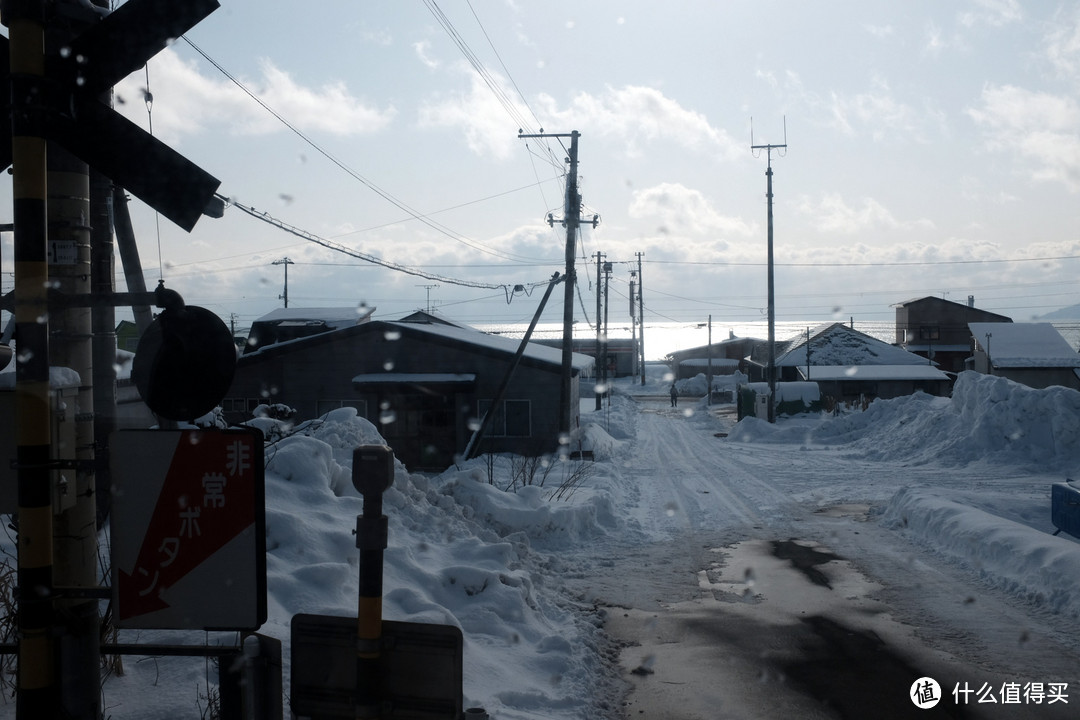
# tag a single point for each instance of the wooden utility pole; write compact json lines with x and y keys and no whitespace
{"x":771,"y":369}
{"x":572,"y":220}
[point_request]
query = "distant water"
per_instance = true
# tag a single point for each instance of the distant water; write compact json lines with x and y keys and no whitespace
{"x":662,"y":339}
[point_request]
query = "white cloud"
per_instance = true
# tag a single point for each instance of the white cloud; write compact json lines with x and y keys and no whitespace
{"x":876,"y":111}
{"x":187,"y":102}
{"x":631,"y":114}
{"x":635,"y":113}
{"x":681,"y":210}
{"x":1063,"y":42}
{"x":831,"y":214}
{"x":488,"y":128}
{"x":1041,"y":128}
{"x":422,"y":47}
{"x":995,"y":13}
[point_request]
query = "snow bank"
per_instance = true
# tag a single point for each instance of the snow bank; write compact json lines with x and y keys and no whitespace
{"x":460,"y":553}
{"x":988,"y":419}
{"x":1039,"y":568}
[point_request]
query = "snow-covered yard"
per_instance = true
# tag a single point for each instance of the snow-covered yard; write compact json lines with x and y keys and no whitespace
{"x":712,"y":568}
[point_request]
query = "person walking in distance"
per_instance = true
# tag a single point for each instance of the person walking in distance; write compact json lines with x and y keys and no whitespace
{"x":674,"y":396}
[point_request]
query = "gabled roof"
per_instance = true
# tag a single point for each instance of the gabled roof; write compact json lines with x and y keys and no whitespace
{"x":439,"y":334}
{"x":332,"y":317}
{"x":1024,"y":345}
{"x":934,"y":300}
{"x":838,"y":344}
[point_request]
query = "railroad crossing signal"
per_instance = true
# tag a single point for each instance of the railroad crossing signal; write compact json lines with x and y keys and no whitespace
{"x":76,"y":118}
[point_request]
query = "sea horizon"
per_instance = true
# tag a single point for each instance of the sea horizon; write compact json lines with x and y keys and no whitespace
{"x":664,"y":338}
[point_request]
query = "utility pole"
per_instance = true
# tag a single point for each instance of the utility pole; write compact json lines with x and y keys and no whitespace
{"x":641,"y":315}
{"x":633,"y":322}
{"x":286,"y":262}
{"x":572,"y":220}
{"x":596,"y":387}
{"x":708,"y":372}
{"x":428,"y":288}
{"x":37,"y":694}
{"x":604,"y":336}
{"x":771,"y":369}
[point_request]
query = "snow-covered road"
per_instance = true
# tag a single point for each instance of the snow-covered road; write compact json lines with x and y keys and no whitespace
{"x":757,"y":581}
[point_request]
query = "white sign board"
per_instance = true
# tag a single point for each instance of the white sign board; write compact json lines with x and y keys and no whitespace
{"x":188,"y":529}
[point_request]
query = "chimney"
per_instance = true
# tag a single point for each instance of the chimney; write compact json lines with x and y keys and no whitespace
{"x":971,"y":301}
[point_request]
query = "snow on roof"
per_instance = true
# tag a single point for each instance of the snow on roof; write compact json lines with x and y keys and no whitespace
{"x":874,"y":372}
{"x":533,"y":351}
{"x":332,"y":316}
{"x":837,"y":344}
{"x":1024,"y":345}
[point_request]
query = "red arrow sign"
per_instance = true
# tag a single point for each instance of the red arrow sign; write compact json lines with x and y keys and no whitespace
{"x":208,"y":498}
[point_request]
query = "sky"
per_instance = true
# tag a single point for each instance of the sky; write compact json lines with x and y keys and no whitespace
{"x":932,"y":149}
{"x":570,"y":590}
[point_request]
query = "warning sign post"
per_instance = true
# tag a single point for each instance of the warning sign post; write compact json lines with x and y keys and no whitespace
{"x":189,"y":529}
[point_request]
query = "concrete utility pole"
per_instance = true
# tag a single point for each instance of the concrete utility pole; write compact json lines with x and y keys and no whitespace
{"x":428,"y":288}
{"x":596,"y":386}
{"x":771,"y":370}
{"x":286,"y":262}
{"x":603,"y":349}
{"x":572,"y":220}
{"x":641,"y":315}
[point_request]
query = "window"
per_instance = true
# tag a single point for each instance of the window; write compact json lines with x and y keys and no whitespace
{"x":513,"y":418}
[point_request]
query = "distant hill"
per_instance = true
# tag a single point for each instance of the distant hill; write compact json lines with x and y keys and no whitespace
{"x":1066,"y":313}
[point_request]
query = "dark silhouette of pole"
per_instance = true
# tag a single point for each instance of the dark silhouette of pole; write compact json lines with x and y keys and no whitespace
{"x":572,"y":220}
{"x":286,"y":262}
{"x":641,"y":315}
{"x":37,"y":695}
{"x":771,"y":369}
{"x":596,"y":385}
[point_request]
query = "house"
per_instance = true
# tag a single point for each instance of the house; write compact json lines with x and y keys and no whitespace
{"x":621,"y":352}
{"x":725,"y":357}
{"x":849,"y":366}
{"x":937,"y":329}
{"x":291,"y":323}
{"x":423,"y":384}
{"x":1033,"y":354}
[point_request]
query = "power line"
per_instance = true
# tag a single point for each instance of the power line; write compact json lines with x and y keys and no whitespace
{"x":401,"y":205}
{"x":265,"y":217}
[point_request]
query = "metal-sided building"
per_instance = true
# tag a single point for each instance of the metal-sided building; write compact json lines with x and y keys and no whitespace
{"x":423,"y":384}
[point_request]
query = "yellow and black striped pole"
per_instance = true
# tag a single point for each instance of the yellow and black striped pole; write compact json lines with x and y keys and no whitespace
{"x":372,"y":475}
{"x":37,"y":677}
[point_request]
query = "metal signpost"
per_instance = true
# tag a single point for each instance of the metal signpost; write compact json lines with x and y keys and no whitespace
{"x":367,"y":667}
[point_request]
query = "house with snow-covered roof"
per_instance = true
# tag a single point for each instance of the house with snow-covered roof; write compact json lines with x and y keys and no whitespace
{"x":937,"y":329}
{"x":423,"y":384}
{"x":850,"y":366}
{"x":1032,"y":354}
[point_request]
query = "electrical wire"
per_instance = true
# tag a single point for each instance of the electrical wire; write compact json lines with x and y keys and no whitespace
{"x":401,"y":205}
{"x":508,"y":290}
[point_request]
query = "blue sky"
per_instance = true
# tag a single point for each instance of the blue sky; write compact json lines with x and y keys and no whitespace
{"x":934,"y":148}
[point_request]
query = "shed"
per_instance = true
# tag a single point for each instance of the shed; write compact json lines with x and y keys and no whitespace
{"x":423,"y":384}
{"x":1032,"y":354}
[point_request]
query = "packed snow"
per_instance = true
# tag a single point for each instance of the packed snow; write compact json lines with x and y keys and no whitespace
{"x":504,"y":548}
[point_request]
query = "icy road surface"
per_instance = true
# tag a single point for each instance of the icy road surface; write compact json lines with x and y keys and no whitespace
{"x":758,"y":581}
